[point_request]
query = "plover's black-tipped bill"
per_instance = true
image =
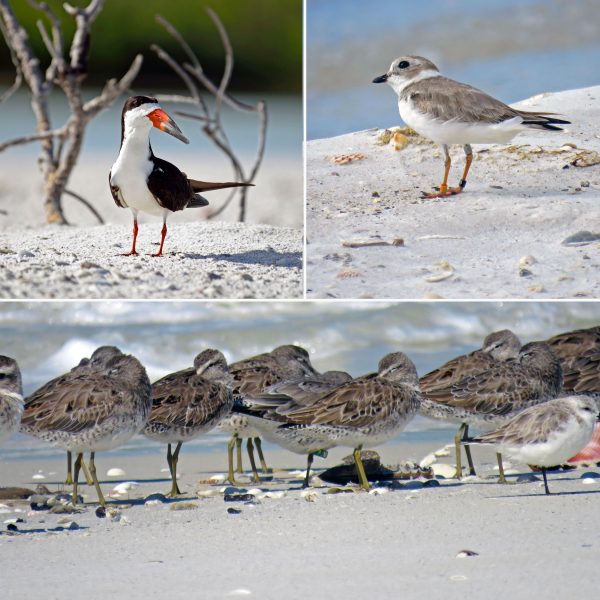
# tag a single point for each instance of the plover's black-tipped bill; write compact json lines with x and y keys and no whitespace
{"x":161,"y":120}
{"x":381,"y":78}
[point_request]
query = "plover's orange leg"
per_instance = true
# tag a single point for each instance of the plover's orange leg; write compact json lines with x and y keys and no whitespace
{"x":444,"y":189}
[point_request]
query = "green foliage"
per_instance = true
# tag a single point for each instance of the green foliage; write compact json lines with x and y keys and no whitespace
{"x":266,"y":36}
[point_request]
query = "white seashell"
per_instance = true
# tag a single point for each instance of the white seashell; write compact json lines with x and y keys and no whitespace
{"x":275,"y":495}
{"x":309,"y":495}
{"x":378,"y":491}
{"x":165,"y":470}
{"x":38,"y":476}
{"x":115,"y":472}
{"x":527,"y":261}
{"x":466,"y":554}
{"x":206,"y":493}
{"x":13,"y":521}
{"x":427,"y":461}
{"x":254,"y":492}
{"x":458,"y":578}
{"x":125,"y":487}
{"x":152,"y":502}
{"x":239,"y":592}
{"x":589,"y":481}
{"x":217,"y":478}
{"x":316,"y":482}
{"x":444,"y":470}
{"x":124,"y":521}
{"x":444,"y":451}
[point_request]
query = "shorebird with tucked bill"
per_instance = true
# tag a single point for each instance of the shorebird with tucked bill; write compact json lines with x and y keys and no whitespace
{"x":143,"y":182}
{"x":449,"y":112}
{"x":188,"y":403}
{"x":547,"y":434}
{"x":11,"y":397}
{"x":498,"y":347}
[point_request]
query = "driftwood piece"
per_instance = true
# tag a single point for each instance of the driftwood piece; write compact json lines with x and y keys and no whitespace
{"x":194,"y":78}
{"x":60,"y":146}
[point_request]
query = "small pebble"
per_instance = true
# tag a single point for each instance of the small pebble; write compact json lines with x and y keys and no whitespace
{"x":185,"y":505}
{"x":12,"y":527}
{"x":234,"y":511}
{"x":101,"y":512}
{"x":238,"y":497}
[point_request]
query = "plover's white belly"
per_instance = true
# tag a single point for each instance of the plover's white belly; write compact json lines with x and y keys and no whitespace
{"x":458,"y":132}
{"x":559,"y":447}
{"x":130,"y":177}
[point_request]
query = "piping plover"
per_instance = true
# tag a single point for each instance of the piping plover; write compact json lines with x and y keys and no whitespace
{"x":189,"y":403}
{"x":11,"y":397}
{"x":450,"y":112}
{"x":547,"y":434}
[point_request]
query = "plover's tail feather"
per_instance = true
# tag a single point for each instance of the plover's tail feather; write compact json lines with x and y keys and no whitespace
{"x":542,"y":120}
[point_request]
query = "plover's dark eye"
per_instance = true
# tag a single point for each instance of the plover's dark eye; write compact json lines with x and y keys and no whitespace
{"x":403,"y":64}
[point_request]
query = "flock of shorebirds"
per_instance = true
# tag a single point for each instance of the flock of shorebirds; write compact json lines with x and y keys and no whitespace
{"x":538,"y":402}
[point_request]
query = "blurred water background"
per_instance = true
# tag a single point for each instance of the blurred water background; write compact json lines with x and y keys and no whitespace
{"x":269,"y":71}
{"x":512,"y":49}
{"x":50,"y":338}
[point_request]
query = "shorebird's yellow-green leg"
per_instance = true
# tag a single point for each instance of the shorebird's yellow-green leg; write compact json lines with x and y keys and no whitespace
{"x":309,"y":462}
{"x":86,"y":473}
{"x":362,"y":476}
{"x":172,"y":462}
{"x":501,"y":477}
{"x":261,"y":456}
{"x":95,"y":480}
{"x":468,"y":451}
{"x":76,"y":477}
{"x":69,"y":479}
{"x":250,"y":449}
{"x":457,"y":446}
{"x":238,"y":450}
{"x":230,"y":444}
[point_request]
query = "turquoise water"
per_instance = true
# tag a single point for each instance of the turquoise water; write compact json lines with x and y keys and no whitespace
{"x":51,"y":337}
{"x":512,"y":49}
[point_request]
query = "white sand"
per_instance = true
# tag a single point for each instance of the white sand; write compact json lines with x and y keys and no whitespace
{"x":400,"y":544}
{"x":201,"y":260}
{"x":483,"y":234}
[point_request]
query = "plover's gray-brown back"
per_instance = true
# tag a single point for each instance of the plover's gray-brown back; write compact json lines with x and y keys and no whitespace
{"x":252,"y":376}
{"x":450,"y":112}
{"x":547,"y":434}
{"x":366,"y":411}
{"x":494,"y":396}
{"x":189,"y":403}
{"x":11,"y":397}
{"x":91,"y":410}
{"x":498,"y":346}
{"x":267,"y":413}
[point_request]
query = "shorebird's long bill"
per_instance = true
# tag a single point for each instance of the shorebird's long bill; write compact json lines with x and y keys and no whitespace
{"x":381,"y":78}
{"x":161,"y":120}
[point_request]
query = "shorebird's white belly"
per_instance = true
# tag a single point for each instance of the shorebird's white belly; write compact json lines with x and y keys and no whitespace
{"x":458,"y":132}
{"x":559,"y":447}
{"x":130,"y":174}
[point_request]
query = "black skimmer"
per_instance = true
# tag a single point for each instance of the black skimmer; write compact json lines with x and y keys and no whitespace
{"x":141,"y":181}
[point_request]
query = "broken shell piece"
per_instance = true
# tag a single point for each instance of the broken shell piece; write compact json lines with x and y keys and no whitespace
{"x":536,"y":287}
{"x":348,"y":274}
{"x":275,"y":495}
{"x":378,"y":491}
{"x":344,"y":159}
{"x":444,"y":470}
{"x":447,"y":272}
{"x":125,"y":487}
{"x":586,"y":158}
{"x":206,"y":493}
{"x":527,"y":261}
{"x":372,"y":242}
{"x":466,"y":553}
{"x":309,"y":495}
{"x":398,"y":141}
{"x":115,"y":472}
{"x":183,"y":506}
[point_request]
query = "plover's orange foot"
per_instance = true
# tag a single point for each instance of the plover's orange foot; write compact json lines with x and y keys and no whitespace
{"x":440,"y":194}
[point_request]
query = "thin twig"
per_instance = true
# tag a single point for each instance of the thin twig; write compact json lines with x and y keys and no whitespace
{"x":34,"y":137}
{"x":87,"y":204}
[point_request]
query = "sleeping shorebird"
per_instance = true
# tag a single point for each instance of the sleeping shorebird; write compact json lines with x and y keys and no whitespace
{"x":11,"y":397}
{"x":449,"y":112}
{"x":252,"y":376}
{"x":498,"y":347}
{"x":188,"y":403}
{"x":547,"y":434}
{"x":267,"y":413}
{"x":366,"y":411}
{"x":489,"y":399}
{"x":142,"y":182}
{"x":91,"y":410}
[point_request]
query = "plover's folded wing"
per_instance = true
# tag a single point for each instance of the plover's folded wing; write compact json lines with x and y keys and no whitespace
{"x":534,"y":425}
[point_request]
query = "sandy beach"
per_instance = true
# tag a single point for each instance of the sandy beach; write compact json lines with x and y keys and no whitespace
{"x":331,"y":545}
{"x":201,"y":260}
{"x":515,"y":232}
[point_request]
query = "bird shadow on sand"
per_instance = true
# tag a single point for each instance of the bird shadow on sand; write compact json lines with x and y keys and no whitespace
{"x":291,"y":260}
{"x":542,"y":495}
